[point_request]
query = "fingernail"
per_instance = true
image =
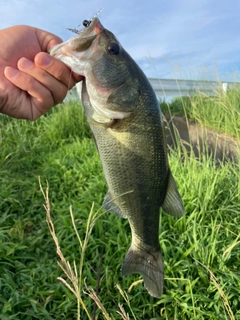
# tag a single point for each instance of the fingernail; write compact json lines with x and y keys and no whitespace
{"x":46,"y":60}
{"x":25,"y":63}
{"x":11,"y":72}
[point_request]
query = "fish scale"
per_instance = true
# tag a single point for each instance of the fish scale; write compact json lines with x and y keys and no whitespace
{"x":143,"y":172}
{"x":125,"y":118}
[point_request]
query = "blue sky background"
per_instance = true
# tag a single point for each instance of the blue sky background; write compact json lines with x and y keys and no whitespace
{"x":169,"y":39}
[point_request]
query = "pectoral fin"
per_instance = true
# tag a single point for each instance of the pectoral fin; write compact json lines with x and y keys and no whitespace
{"x":110,"y":205}
{"x":173,"y":203}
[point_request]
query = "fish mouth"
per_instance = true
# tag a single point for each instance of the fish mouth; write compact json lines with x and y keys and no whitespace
{"x":72,"y":50}
{"x":85,"y":37}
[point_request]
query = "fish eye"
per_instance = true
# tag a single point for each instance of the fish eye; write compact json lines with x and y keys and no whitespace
{"x":113,"y":48}
{"x":86,"y":23}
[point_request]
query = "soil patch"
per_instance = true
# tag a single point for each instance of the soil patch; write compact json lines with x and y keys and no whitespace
{"x":201,"y":140}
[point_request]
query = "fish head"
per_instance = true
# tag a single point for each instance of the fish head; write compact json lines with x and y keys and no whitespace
{"x":110,"y":85}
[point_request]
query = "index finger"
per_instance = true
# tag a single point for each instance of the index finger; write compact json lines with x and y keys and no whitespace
{"x":56,"y":68}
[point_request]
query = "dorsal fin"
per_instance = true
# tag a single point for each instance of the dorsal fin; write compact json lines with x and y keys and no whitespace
{"x":172,"y":203}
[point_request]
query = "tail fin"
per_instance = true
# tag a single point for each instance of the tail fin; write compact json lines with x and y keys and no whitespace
{"x":150,"y":265}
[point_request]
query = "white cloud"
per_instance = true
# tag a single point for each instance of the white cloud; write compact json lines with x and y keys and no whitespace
{"x":184,"y":33}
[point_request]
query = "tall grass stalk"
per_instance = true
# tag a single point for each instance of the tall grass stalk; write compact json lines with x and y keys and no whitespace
{"x":71,"y":273}
{"x":220,"y":290}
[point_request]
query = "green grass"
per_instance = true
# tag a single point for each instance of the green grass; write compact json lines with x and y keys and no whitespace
{"x":220,"y":112}
{"x":201,"y":250}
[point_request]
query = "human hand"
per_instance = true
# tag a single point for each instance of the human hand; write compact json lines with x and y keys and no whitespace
{"x":31,"y":81}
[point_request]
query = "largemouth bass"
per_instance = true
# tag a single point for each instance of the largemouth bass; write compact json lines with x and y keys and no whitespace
{"x":124,"y":115}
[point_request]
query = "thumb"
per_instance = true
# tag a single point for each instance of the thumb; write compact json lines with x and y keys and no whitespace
{"x":47,"y":40}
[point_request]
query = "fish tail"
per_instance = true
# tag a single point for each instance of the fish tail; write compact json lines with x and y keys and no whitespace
{"x":149,"y":265}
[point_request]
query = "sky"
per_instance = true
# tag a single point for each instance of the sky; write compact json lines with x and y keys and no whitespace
{"x":174,"y":39}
